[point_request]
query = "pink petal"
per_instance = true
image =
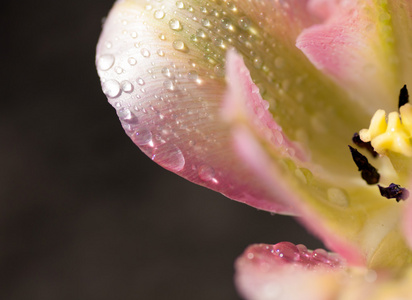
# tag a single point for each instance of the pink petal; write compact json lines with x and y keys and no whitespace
{"x":170,"y":106}
{"x":285,"y":271}
{"x":355,"y":46}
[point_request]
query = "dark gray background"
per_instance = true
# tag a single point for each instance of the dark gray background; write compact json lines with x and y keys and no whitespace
{"x":83,"y":213}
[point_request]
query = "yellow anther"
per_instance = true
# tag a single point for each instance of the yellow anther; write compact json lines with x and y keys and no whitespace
{"x":395,"y":135}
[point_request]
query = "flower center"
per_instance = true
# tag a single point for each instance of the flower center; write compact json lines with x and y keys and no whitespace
{"x":389,"y":136}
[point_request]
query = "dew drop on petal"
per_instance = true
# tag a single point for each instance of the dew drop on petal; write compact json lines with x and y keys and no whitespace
{"x":127,"y":86}
{"x":244,"y":23}
{"x":320,"y":255}
{"x":180,"y":4}
{"x":206,"y":173}
{"x":159,"y":14}
{"x":145,"y":52}
{"x":142,"y":137}
{"x":140,"y":81}
{"x":180,"y":46}
{"x":169,"y":85}
{"x":175,"y":24}
{"x":338,"y":197}
{"x":192,"y":75}
{"x":286,"y":251}
{"x":132,"y":61}
{"x":125,"y":115}
{"x":169,"y":157}
{"x":105,"y":62}
{"x":219,"y":70}
{"x":111,"y":88}
{"x":167,"y":72}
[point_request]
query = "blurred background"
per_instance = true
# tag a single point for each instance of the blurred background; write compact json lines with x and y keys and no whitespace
{"x":83,"y":213}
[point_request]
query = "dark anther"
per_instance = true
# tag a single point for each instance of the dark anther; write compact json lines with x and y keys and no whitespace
{"x":403,"y":96}
{"x":394,"y":191}
{"x":367,"y":145}
{"x":368,"y":172}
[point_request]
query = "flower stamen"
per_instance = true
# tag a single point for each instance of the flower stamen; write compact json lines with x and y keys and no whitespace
{"x":403,"y":96}
{"x":394,"y":191}
{"x":368,"y":172}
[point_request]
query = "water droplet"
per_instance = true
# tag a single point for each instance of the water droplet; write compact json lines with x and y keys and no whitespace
{"x":206,"y":173}
{"x":132,"y":61}
{"x":133,"y":34}
{"x":169,"y":156}
{"x":159,"y":14}
{"x":180,"y":46}
{"x":180,"y":4}
{"x":127,"y":86}
{"x":257,"y":62}
{"x":162,"y":37}
{"x":205,"y":22}
{"x":105,"y":62}
{"x":127,"y":116}
{"x":244,"y":23}
{"x":200,"y":33}
{"x":287,"y":251}
{"x":338,"y":197}
{"x":169,"y":85}
{"x":119,"y":70}
{"x":145,"y":52}
{"x":142,"y":137}
{"x":108,"y":45}
{"x":140,"y":81}
{"x":219,"y":70}
{"x":320,"y":255}
{"x":226,"y":24}
{"x":192,"y":75}
{"x":161,"y":53}
{"x":111,"y":88}
{"x":175,"y":24}
{"x":167,"y":72}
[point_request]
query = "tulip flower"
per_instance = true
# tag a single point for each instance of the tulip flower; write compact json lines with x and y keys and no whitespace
{"x":259,"y":100}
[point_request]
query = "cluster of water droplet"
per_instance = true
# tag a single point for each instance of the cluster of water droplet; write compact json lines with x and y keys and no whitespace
{"x":288,"y":253}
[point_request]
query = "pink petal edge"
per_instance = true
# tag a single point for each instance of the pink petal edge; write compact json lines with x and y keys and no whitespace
{"x":285,"y":271}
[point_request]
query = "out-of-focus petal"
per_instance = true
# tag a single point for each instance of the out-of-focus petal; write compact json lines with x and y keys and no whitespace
{"x":285,"y":271}
{"x":364,"y":45}
{"x":282,"y":272}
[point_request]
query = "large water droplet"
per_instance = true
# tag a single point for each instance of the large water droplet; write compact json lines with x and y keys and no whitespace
{"x":320,"y":255}
{"x":142,"y":137}
{"x":169,"y":157}
{"x":105,"y":62}
{"x":175,"y":24}
{"x":111,"y":88}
